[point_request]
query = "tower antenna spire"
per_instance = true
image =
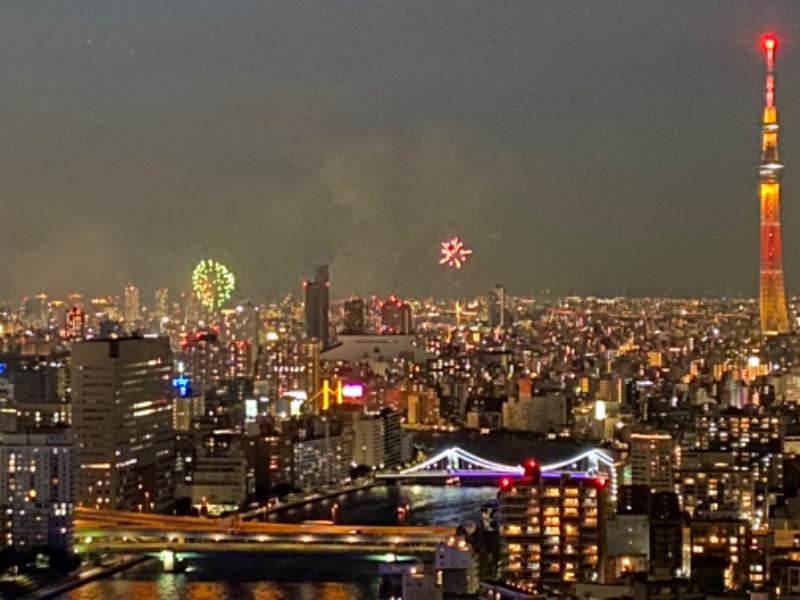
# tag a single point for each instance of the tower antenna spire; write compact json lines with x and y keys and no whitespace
{"x":774,"y":316}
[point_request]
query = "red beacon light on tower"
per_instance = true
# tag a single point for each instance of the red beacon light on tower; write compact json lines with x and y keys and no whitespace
{"x":533,"y":470}
{"x":770,"y":42}
{"x":505,"y":484}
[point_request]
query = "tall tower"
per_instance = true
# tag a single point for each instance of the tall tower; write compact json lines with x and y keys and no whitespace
{"x":774,"y":317}
{"x":315,"y":296}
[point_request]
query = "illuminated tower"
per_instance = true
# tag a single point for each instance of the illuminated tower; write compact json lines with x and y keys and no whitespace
{"x":774,"y":317}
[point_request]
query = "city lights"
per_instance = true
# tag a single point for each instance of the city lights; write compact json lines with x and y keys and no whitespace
{"x":489,"y":428}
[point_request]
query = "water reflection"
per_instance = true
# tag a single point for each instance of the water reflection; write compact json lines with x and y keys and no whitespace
{"x":242,"y":576}
{"x":257,"y":576}
{"x":429,"y":505}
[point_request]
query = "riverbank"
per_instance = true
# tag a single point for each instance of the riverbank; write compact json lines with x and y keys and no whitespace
{"x":316,"y":497}
{"x":295,"y":502}
{"x":87,"y":575}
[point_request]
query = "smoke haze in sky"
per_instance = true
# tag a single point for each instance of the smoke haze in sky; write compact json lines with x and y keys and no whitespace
{"x":582,"y":147}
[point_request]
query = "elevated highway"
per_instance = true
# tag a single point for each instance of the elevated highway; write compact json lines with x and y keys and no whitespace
{"x":130,"y":533}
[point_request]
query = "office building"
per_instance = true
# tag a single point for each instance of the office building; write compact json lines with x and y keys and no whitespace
{"x":220,"y":480}
{"x":313,"y":374}
{"x":122,"y":423}
{"x":316,"y":301}
{"x":497,"y":307}
{"x":38,"y":387}
{"x":131,"y":311}
{"x":396,"y":317}
{"x":354,"y":322}
{"x":393,"y":438}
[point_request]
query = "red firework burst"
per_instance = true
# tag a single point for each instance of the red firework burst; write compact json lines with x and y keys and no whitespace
{"x":454,"y":253}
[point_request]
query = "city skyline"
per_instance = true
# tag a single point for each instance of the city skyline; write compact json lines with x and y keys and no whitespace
{"x":583,"y":149}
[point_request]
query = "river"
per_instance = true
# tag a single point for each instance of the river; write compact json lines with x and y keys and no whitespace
{"x":302,"y":577}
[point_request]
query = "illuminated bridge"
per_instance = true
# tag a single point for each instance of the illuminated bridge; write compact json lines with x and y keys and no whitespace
{"x":455,"y":462}
{"x":131,"y":533}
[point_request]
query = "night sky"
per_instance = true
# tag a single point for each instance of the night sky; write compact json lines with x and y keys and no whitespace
{"x":578,"y":146}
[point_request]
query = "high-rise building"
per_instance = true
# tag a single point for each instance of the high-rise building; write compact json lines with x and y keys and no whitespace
{"x":39,"y":387}
{"x":131,"y":310}
{"x":369,"y":442}
{"x":219,"y":477}
{"x":40,"y":312}
{"x":709,"y":480}
{"x":201,"y":359}
{"x":162,"y":304}
{"x":313,"y":381}
{"x":122,"y":423}
{"x":396,"y":317}
{"x":651,"y":461}
{"x":354,"y":317}
{"x":322,"y":452}
{"x":774,"y":316}
{"x":316,"y":298}
{"x":628,"y":533}
{"x":497,"y":307}
{"x":666,"y":535}
{"x":551,"y":528}
{"x":36,"y":488}
{"x":756,"y":442}
{"x":722,"y":550}
{"x":75,"y":328}
{"x":392,"y":437}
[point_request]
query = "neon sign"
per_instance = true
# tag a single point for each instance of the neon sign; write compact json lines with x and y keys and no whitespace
{"x":181,"y":384}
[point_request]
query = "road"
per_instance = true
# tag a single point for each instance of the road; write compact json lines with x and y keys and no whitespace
{"x":112,"y":531}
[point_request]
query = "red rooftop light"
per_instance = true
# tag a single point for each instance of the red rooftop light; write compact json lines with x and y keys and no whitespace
{"x":770,"y":42}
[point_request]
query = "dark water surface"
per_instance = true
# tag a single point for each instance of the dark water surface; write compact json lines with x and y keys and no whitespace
{"x":302,"y":577}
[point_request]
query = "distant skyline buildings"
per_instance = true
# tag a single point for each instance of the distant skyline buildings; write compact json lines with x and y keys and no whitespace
{"x":396,"y":317}
{"x":354,"y":317}
{"x":131,"y":312}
